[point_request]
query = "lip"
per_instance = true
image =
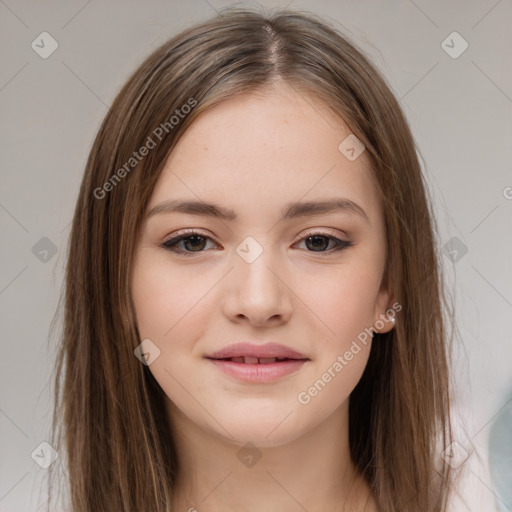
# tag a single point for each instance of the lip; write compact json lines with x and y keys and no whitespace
{"x":248,"y":366}
{"x":257,"y":350}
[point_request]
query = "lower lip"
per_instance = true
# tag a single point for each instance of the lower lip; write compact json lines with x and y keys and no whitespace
{"x":259,"y":372}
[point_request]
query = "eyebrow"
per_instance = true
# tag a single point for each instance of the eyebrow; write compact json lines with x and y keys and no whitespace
{"x":290,"y":211}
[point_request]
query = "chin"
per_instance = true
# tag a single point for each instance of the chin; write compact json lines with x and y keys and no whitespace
{"x":272,"y":429}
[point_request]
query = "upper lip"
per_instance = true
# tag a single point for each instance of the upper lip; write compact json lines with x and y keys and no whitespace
{"x":256,"y":350}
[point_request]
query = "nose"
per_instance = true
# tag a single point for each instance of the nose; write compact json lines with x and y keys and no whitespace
{"x":257,"y":292}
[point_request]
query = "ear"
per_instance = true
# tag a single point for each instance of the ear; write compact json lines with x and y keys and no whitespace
{"x":386,"y":308}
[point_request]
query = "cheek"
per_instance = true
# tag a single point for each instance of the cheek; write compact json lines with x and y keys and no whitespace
{"x":345,"y":307}
{"x":166,"y":299}
{"x":172,"y":311}
{"x":343,"y":299}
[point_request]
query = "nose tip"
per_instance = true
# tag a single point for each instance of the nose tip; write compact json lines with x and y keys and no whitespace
{"x":260,"y":319}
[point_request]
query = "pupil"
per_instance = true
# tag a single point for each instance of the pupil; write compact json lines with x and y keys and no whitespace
{"x":196,"y":241}
{"x":319,"y":241}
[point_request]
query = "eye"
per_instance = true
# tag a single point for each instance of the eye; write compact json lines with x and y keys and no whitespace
{"x":319,"y":242}
{"x":193,"y":242}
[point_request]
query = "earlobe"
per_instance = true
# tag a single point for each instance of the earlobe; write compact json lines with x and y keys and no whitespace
{"x":385,"y":322}
{"x":389,"y":324}
{"x":385,"y":312}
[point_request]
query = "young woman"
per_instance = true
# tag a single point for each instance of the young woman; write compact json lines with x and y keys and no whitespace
{"x":254,"y":311}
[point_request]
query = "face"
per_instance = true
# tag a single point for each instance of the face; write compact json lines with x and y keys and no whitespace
{"x":284,"y":281}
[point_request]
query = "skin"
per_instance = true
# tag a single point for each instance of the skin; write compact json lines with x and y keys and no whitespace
{"x":255,"y":154}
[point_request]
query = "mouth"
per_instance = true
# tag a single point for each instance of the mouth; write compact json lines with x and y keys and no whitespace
{"x":252,"y":353}
{"x":256,"y":363}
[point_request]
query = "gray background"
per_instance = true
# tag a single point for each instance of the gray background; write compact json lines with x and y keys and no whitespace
{"x":460,"y":112}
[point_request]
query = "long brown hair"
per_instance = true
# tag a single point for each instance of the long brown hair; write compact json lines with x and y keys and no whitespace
{"x":109,"y":418}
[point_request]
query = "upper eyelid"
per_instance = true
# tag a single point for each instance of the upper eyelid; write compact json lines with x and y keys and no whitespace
{"x":310,"y":232}
{"x":186,"y":233}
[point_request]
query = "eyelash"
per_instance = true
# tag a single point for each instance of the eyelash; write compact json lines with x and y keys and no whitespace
{"x":172,"y":242}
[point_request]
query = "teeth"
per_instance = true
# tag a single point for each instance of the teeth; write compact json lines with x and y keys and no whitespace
{"x":256,"y":360}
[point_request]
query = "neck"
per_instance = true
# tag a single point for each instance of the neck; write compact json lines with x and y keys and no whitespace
{"x":311,"y":472}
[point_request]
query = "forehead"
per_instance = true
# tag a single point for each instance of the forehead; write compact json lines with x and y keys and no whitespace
{"x":257,"y":151}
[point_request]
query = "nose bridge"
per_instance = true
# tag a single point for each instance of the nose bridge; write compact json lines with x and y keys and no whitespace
{"x":257,"y":291}
{"x":253,"y":266}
